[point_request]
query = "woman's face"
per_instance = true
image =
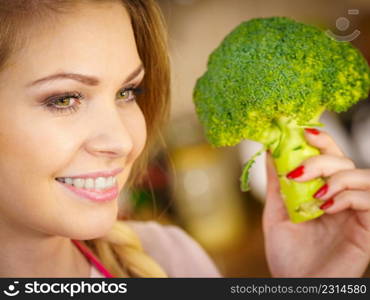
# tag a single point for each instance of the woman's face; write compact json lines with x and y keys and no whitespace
{"x":104,"y":132}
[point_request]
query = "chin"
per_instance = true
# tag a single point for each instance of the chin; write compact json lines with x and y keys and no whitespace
{"x":93,"y":228}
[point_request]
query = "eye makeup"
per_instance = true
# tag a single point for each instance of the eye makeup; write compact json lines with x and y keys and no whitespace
{"x":60,"y":102}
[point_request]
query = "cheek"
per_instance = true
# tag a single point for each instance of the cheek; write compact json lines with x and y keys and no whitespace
{"x":31,"y":149}
{"x":137,"y":128}
{"x":30,"y":152}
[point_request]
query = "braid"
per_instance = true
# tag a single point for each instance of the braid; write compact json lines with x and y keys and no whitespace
{"x":122,"y":253}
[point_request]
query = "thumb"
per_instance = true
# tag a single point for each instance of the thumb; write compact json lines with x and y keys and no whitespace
{"x":274,"y":211}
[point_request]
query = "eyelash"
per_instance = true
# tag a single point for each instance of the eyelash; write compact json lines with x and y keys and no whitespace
{"x":50,"y":102}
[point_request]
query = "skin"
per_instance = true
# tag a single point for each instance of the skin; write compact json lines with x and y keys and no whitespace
{"x":337,"y":244}
{"x":38,"y":216}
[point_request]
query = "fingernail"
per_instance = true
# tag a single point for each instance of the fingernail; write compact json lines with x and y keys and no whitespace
{"x":321,"y":192}
{"x":327,"y":204}
{"x":295,"y":173}
{"x":312,"y":131}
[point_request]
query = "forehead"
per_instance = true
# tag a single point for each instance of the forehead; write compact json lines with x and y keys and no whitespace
{"x":93,"y":39}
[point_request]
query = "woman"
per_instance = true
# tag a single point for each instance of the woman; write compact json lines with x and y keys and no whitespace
{"x":73,"y":71}
{"x":73,"y":119}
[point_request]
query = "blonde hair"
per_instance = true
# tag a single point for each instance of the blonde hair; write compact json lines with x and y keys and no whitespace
{"x":120,"y":250}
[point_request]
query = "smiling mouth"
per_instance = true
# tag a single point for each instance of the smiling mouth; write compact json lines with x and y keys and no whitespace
{"x":102,"y":194}
{"x":99,"y":183}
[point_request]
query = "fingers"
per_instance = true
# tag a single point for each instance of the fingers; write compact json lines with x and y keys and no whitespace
{"x":357,"y":179}
{"x":329,"y":162}
{"x":352,"y":199}
{"x":357,"y":200}
{"x":323,"y":141}
{"x":323,"y":166}
{"x":346,"y":187}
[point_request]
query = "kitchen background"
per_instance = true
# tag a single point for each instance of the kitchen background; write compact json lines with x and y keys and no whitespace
{"x":195,"y":186}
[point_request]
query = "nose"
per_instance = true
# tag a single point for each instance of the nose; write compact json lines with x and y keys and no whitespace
{"x":109,"y":136}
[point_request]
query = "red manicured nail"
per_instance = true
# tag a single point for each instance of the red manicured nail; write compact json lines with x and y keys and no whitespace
{"x":327,"y":204}
{"x":312,"y":131}
{"x":322,"y":191}
{"x":295,"y":173}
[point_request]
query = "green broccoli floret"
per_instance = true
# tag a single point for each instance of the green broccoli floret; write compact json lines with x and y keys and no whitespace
{"x":268,"y":80}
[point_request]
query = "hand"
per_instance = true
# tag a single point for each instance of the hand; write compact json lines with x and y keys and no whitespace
{"x":337,"y":244}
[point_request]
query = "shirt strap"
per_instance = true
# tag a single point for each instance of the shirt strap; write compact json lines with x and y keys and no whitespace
{"x":92,"y":258}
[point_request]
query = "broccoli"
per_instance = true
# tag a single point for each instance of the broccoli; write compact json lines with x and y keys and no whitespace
{"x":268,"y":80}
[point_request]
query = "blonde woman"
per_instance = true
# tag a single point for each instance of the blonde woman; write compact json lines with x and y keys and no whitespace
{"x":84,"y":88}
{"x":84,"y":93}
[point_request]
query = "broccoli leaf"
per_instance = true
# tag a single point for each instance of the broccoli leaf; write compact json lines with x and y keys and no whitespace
{"x":245,"y":174}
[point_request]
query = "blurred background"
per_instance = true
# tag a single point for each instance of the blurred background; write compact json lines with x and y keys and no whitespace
{"x":195,"y":186}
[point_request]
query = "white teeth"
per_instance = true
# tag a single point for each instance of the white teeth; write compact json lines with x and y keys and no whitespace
{"x":90,"y":183}
{"x":109,"y":181}
{"x":99,"y":182}
{"x":68,"y":180}
{"x":78,"y":182}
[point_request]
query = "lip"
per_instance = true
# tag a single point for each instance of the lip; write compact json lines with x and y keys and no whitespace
{"x":92,"y":194}
{"x":96,"y":174}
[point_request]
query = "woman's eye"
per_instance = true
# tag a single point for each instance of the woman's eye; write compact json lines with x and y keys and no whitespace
{"x":70,"y":102}
{"x":129,"y":94}
{"x":66,"y":103}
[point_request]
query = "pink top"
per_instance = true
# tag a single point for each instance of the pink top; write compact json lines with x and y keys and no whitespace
{"x":170,"y":246}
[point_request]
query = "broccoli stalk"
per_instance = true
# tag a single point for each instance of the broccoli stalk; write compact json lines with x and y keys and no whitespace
{"x":268,"y":80}
{"x":289,"y":148}
{"x":289,"y":153}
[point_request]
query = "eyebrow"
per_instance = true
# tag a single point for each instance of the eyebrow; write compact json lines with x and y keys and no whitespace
{"x":85,"y":79}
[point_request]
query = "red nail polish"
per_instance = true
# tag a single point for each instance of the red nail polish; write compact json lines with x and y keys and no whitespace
{"x":322,"y":191}
{"x":327,"y":204}
{"x":295,"y":173}
{"x":312,"y":131}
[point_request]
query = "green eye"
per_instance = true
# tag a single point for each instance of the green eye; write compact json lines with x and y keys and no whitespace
{"x":63,"y":101}
{"x":129,"y":94}
{"x":126,"y":94}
